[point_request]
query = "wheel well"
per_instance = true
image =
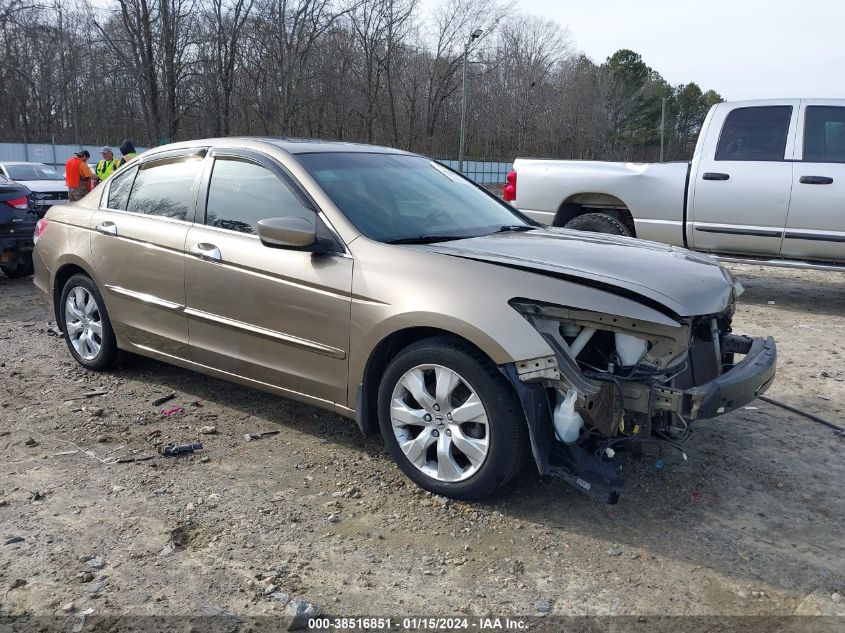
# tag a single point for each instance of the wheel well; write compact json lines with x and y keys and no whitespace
{"x":583,"y":203}
{"x":62,"y":275}
{"x":366,"y":406}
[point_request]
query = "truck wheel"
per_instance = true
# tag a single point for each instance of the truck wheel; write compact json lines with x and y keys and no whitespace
{"x":598,"y":223}
{"x":450,"y":420}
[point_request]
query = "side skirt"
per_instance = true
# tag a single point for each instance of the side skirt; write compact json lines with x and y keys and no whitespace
{"x":236,"y":378}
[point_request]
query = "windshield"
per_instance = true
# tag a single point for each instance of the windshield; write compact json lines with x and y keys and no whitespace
{"x":397,"y":198}
{"x":32,"y":172}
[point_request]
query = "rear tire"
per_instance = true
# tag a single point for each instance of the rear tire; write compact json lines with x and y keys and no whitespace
{"x":22,"y":268}
{"x":462,"y":433}
{"x":86,"y":325}
{"x":598,"y":223}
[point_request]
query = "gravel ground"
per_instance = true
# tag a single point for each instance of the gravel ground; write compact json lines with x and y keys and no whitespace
{"x":750,"y":524}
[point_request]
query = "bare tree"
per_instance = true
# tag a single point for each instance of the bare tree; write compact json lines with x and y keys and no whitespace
{"x":378,"y":71}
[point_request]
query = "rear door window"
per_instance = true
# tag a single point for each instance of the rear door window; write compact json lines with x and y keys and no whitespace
{"x":757,"y":133}
{"x":824,"y":134}
{"x":166,"y":188}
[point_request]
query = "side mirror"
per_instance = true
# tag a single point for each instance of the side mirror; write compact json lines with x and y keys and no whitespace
{"x":296,"y":233}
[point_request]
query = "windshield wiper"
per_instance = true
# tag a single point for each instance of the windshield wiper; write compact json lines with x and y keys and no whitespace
{"x":507,"y":228}
{"x":427,"y":239}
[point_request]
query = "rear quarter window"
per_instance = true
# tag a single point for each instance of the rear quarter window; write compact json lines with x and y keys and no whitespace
{"x":119,"y":187}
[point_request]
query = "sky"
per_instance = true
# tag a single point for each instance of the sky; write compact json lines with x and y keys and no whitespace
{"x":743,"y":49}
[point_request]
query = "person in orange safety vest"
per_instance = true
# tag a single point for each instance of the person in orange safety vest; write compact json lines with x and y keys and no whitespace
{"x":78,"y":175}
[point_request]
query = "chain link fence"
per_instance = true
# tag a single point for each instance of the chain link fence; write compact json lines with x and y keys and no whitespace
{"x":484,"y":171}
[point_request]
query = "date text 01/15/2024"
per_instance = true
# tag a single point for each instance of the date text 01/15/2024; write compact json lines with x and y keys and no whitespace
{"x":425,"y":623}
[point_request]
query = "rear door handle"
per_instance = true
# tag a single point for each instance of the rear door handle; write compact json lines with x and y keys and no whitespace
{"x":204,"y":250}
{"x":107,"y":228}
{"x":815,"y":180}
{"x":715,"y":175}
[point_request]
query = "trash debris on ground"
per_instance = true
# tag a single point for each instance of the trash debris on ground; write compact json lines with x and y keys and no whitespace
{"x":88,"y":394}
{"x":697,"y":495}
{"x":840,"y":430}
{"x":132,"y":459}
{"x":257,"y":436}
{"x":160,"y":401}
{"x":208,"y":429}
{"x":13,"y":540}
{"x":171,"y":450}
{"x":37,"y":495}
{"x":63,"y":453}
{"x":172,"y":411}
{"x":54,"y":331}
{"x":79,"y":621}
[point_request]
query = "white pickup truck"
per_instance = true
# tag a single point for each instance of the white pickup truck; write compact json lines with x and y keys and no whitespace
{"x":766,"y":183}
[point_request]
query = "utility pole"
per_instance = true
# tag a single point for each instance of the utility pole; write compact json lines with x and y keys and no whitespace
{"x":662,"y":125}
{"x":475,"y":35}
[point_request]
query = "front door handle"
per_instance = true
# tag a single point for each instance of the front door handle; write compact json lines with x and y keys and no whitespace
{"x":204,"y":250}
{"x":815,"y":180}
{"x":107,"y":228}
{"x":715,"y":175}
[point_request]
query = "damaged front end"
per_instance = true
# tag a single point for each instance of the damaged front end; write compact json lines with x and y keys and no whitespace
{"x":616,"y":383}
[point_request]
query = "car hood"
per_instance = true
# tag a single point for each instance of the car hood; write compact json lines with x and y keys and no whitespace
{"x":45,"y":186}
{"x":685,"y":283}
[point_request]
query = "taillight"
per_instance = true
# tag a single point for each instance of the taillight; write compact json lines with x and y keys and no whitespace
{"x":509,"y":190}
{"x":40,"y":227}
{"x":19,"y":203}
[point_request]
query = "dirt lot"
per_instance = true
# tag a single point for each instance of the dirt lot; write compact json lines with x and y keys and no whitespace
{"x":751,"y":523}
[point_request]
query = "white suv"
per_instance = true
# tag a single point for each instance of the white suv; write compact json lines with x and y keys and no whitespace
{"x":47,"y":185}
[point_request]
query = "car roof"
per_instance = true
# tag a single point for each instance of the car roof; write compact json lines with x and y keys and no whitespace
{"x":311,"y":146}
{"x":286,"y":144}
{"x":21,"y":162}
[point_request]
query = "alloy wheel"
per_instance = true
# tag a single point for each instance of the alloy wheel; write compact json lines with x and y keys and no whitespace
{"x":440,"y":423}
{"x":83,"y":323}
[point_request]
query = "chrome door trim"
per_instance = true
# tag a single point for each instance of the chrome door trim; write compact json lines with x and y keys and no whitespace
{"x":151,"y":216}
{"x":143,"y":297}
{"x":815,"y":236}
{"x":273,"y":335}
{"x":738,"y":230}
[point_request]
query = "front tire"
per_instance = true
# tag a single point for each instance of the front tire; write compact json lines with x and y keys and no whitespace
{"x":450,"y":420}
{"x":85,"y":322}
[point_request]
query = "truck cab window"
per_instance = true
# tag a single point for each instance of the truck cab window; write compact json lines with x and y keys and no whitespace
{"x":824,"y":134}
{"x":755,"y":133}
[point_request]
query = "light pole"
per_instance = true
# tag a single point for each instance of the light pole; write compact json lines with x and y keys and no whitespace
{"x":475,"y":35}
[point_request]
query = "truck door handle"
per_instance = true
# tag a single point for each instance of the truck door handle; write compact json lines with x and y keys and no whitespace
{"x":715,"y":175}
{"x":203,"y":250}
{"x":815,"y":180}
{"x":106,"y":228}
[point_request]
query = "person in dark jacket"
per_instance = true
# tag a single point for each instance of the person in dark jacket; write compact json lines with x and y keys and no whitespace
{"x":127,"y":151}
